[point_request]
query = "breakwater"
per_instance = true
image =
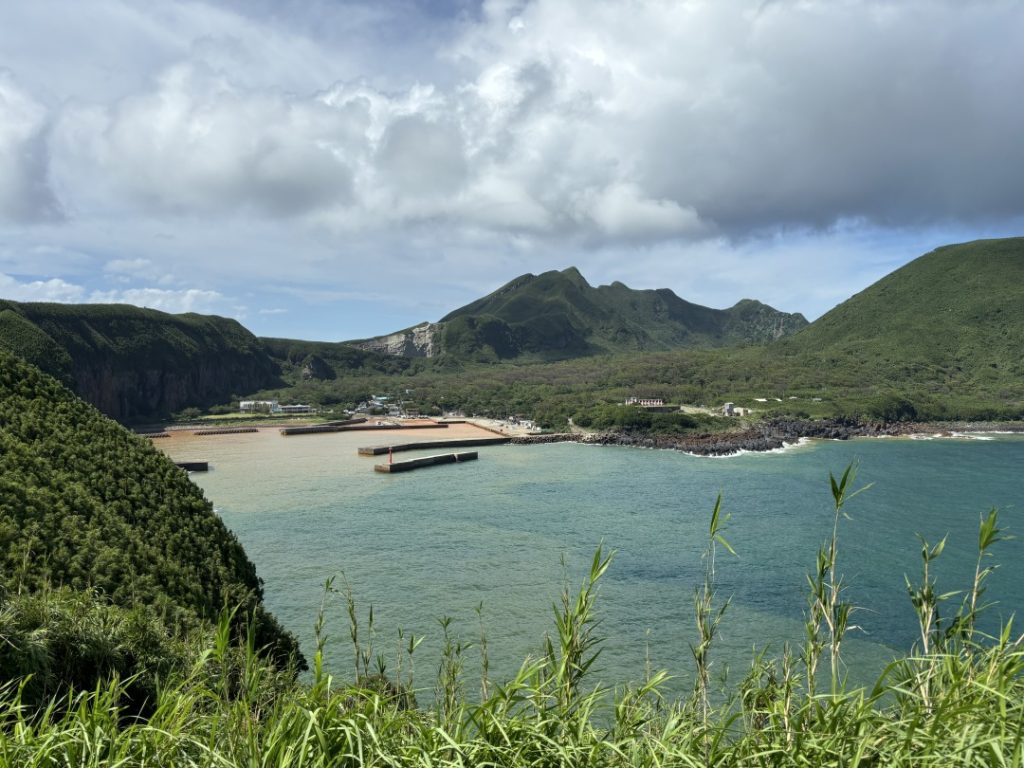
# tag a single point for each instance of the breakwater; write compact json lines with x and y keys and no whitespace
{"x":426,"y":461}
{"x":194,"y":466}
{"x":225,"y":431}
{"x":378,"y":450}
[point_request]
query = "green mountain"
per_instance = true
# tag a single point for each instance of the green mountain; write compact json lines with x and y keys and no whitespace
{"x":137,"y":364}
{"x":952,"y":319}
{"x":86,"y":504}
{"x":559,"y":315}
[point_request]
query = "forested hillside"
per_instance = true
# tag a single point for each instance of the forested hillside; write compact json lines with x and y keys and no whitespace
{"x":960,"y":307}
{"x":559,"y":315}
{"x":88,"y":505}
{"x":137,"y":364}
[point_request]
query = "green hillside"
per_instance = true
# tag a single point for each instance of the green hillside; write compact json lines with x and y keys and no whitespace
{"x":136,"y":364}
{"x":949,"y":323}
{"x":560,"y":315}
{"x":941,"y":338}
{"x":87,"y":505}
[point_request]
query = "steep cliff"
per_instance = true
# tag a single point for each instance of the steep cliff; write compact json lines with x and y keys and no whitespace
{"x":136,"y":364}
{"x":418,"y":341}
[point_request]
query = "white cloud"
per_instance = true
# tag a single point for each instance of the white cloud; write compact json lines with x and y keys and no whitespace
{"x":25,"y":194}
{"x":651,"y":120}
{"x":197,"y":144}
{"x":621,"y":210}
{"x":53,"y":289}
{"x":252,"y":150}
{"x":62,"y":291}
{"x":188,"y":300}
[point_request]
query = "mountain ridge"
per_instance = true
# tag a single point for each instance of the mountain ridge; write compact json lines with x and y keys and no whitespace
{"x":558,"y":314}
{"x":134,"y":363}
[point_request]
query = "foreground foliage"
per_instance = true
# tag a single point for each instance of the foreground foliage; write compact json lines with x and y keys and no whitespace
{"x":87,"y":505}
{"x":956,"y":700}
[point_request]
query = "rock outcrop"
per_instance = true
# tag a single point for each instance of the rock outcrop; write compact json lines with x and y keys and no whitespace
{"x":767,"y":436}
{"x":419,"y":341}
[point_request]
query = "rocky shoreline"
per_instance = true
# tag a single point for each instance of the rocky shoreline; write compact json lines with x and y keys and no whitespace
{"x":770,"y":435}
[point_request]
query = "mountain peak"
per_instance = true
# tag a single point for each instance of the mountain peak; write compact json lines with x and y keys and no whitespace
{"x":558,"y":315}
{"x":575,"y":276}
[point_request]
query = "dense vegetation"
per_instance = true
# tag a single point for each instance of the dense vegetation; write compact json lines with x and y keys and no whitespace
{"x":956,"y":699}
{"x":85,"y":504}
{"x":136,"y":364}
{"x":558,"y":315}
{"x":938,"y":339}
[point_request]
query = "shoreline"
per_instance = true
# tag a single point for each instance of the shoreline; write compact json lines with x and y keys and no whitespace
{"x":765,"y":437}
{"x":777,"y":434}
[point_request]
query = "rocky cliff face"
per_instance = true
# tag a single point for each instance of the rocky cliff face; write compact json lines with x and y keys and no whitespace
{"x":156,"y":390}
{"x":420,"y":341}
{"x":138,"y":364}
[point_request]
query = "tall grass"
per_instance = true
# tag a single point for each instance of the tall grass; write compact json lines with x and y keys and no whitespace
{"x":955,"y":699}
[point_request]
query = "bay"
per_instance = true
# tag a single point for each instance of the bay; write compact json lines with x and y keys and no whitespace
{"x":484,"y":542}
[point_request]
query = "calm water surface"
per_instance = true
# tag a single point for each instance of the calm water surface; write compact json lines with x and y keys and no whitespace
{"x":442,"y":541}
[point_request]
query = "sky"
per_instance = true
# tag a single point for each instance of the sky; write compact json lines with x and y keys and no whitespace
{"x":336,"y":169}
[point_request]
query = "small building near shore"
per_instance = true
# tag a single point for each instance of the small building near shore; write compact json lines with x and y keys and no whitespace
{"x":258,"y":406}
{"x":646,"y":402}
{"x":297,"y":408}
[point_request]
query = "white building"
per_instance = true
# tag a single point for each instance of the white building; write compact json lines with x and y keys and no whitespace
{"x":297,"y":408}
{"x":258,"y":406}
{"x":648,"y":402}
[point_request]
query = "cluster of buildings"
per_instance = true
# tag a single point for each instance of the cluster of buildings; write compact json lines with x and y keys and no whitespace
{"x":273,"y":406}
{"x":381,"y":405}
{"x":731,"y":409}
{"x":645,"y":402}
{"x":658,"y":404}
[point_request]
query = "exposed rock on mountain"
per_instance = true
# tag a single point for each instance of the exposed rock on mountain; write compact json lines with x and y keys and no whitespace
{"x":558,"y":315}
{"x":419,"y":341}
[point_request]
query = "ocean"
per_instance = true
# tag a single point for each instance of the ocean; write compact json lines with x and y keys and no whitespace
{"x":491,"y":544}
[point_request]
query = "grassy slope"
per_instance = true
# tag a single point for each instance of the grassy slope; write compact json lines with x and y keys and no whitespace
{"x":950,"y":324}
{"x":86,"y":504}
{"x":559,"y":315}
{"x":960,"y":306}
{"x":944,"y":334}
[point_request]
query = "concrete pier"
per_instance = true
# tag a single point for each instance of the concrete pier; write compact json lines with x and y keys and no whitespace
{"x":226,"y":431}
{"x":378,"y":450}
{"x":426,"y":461}
{"x":194,"y":466}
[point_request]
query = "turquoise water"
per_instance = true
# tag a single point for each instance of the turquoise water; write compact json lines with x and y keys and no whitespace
{"x":439,"y":542}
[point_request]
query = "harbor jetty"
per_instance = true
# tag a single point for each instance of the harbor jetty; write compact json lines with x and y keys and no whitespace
{"x":426,"y":461}
{"x":194,"y":466}
{"x":378,"y":450}
{"x":225,"y":431}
